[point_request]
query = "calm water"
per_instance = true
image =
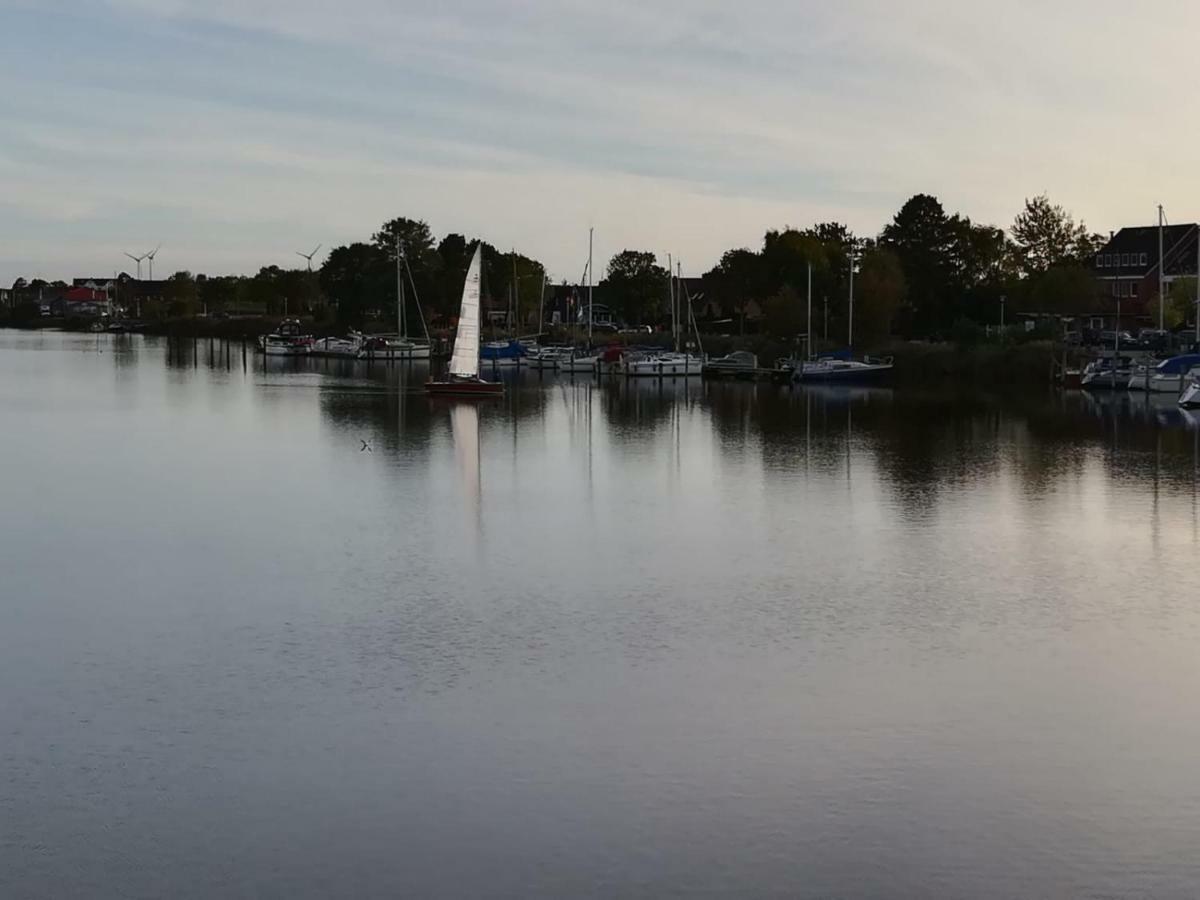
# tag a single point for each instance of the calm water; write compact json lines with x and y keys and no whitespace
{"x":624,"y":640}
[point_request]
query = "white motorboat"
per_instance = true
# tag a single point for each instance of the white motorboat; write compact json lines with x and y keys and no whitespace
{"x":1168,"y":377}
{"x":391,"y":346}
{"x":579,"y":364}
{"x":545,"y":358}
{"x":738,"y":364}
{"x":1190,"y":397}
{"x":349,"y":347}
{"x":842,"y":370}
{"x":286,"y":340}
{"x":662,"y":365}
{"x":1105,"y":374}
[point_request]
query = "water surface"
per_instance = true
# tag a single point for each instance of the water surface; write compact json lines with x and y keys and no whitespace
{"x":590,"y":640}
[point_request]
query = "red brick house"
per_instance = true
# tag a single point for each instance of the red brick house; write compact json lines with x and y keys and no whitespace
{"x":1126,"y":268}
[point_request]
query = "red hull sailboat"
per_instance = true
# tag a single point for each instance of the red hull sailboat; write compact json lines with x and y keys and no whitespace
{"x":462,"y":379}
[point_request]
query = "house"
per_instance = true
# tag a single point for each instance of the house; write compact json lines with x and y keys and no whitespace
{"x":81,"y":301}
{"x":1126,"y":270}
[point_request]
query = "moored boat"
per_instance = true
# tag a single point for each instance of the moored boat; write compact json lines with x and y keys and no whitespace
{"x":1168,"y":377}
{"x":390,"y":346}
{"x":1107,"y":374}
{"x":502,"y":354}
{"x":349,"y":347}
{"x":661,"y":365}
{"x":543,"y":358}
{"x":286,"y":340}
{"x":832,"y":368}
{"x":462,"y":378}
{"x":738,"y":364}
{"x":1190,"y":397}
{"x":580,"y":364}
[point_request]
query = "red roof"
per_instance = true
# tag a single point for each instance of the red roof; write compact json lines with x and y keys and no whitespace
{"x":84,"y":295}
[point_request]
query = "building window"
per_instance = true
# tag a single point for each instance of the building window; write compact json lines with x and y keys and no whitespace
{"x":1099,"y":260}
{"x":1107,"y":260}
{"x":1124,"y":259}
{"x":1143,"y":259}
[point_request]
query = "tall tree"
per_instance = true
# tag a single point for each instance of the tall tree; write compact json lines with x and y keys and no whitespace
{"x":635,"y":286}
{"x":738,"y":279}
{"x":1047,"y":235}
{"x":180,"y":294}
{"x":923,"y":237}
{"x":416,"y":240}
{"x":356,"y":278}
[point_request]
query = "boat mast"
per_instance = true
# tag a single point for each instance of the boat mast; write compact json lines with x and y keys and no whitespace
{"x":1198,"y":287}
{"x":591,"y":312}
{"x":1162,"y":280}
{"x":808,"y":327}
{"x":680,"y":299}
{"x":401,"y":330}
{"x":850,"y":329}
{"x":416,"y":299}
{"x":671,"y":297}
{"x":542,"y":303}
{"x":513,"y":313}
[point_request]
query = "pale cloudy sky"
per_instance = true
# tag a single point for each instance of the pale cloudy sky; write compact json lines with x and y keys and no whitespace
{"x":236,"y":132}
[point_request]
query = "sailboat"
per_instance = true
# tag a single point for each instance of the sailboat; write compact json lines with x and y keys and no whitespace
{"x":400,"y":345}
{"x":463,"y":376}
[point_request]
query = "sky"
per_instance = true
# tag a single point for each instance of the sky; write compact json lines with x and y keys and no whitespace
{"x":238,"y":132}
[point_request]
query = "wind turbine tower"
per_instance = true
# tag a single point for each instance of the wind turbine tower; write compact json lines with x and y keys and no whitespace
{"x":150,"y":256}
{"x":138,"y":260}
{"x":309,"y":256}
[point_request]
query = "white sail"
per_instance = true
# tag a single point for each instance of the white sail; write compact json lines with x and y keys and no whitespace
{"x":465,"y":360}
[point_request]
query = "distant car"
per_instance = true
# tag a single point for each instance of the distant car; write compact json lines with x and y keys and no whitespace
{"x":44,"y":310}
{"x":605,"y":326}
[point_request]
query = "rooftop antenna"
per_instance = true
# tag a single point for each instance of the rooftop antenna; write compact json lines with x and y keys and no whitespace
{"x":309,"y":256}
{"x":138,"y":260}
{"x":150,"y":256}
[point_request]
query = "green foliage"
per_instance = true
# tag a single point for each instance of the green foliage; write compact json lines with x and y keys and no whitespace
{"x":354,"y":278}
{"x":1066,"y":288}
{"x":635,"y":287}
{"x":1046,"y":235}
{"x":880,"y":290}
{"x":784,"y":313}
{"x":1181,"y":302}
{"x":181,"y":295}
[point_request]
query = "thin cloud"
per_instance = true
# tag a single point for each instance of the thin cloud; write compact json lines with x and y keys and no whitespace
{"x":226,"y":122}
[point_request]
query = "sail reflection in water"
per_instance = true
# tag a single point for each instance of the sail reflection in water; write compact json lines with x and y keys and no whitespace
{"x":464,"y":429}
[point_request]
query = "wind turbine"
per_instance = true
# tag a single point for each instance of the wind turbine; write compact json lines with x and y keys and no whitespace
{"x":138,"y":260}
{"x":309,"y":256}
{"x":150,"y":256}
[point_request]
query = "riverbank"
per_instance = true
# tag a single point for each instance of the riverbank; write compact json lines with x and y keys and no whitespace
{"x":916,"y":362}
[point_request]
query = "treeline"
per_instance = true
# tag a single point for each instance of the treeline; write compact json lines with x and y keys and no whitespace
{"x":927,"y":274}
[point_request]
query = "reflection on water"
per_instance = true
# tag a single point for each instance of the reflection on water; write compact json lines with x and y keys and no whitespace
{"x":635,"y":638}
